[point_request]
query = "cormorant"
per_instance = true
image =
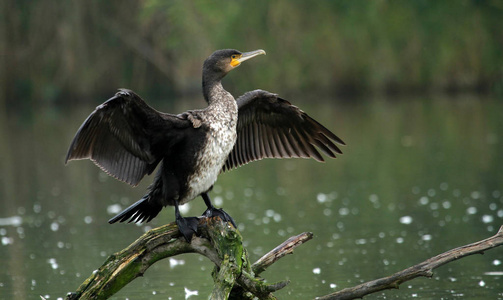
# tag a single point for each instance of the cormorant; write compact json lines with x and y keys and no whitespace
{"x":128,"y":139}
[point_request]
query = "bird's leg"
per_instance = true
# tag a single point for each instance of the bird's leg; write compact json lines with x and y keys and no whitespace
{"x":212,"y":211}
{"x":187,"y":226}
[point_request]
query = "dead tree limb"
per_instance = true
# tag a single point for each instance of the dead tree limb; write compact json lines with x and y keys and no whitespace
{"x":218,"y":241}
{"x":424,"y":269}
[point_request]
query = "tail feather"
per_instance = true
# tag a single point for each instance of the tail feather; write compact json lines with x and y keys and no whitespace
{"x":141,"y":211}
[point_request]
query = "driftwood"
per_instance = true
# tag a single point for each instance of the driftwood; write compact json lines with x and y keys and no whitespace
{"x":234,"y":276}
{"x":424,"y":269}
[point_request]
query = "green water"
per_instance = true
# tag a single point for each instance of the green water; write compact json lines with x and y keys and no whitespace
{"x":418,"y":177}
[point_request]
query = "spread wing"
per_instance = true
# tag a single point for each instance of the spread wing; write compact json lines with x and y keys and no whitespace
{"x":125,"y":137}
{"x":271,"y":127}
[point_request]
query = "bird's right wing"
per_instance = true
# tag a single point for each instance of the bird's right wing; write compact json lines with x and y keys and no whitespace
{"x":124,"y":137}
{"x":270,"y":127}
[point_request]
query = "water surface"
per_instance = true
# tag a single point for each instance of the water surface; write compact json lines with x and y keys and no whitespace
{"x":418,"y":177}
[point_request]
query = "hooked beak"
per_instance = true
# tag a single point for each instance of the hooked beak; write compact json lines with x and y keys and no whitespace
{"x":246,"y":56}
{"x":251,"y":54}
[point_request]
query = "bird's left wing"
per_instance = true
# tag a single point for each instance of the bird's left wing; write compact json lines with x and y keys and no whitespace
{"x":271,"y":127}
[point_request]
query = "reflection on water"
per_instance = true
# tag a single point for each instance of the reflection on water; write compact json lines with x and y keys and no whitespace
{"x":418,"y":177}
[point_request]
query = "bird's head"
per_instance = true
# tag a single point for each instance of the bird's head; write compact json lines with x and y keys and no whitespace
{"x":222,"y":62}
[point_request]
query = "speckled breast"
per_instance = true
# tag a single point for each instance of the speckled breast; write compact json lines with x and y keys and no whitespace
{"x":219,"y":143}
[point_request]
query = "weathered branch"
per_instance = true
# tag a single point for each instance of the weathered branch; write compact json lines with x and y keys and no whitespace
{"x":285,"y":248}
{"x":221,"y":243}
{"x":423,"y":269}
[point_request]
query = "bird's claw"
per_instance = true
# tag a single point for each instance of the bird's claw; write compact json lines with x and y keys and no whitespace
{"x":218,"y":212}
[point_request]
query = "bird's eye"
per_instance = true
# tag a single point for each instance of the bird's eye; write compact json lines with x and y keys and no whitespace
{"x":234,"y":56}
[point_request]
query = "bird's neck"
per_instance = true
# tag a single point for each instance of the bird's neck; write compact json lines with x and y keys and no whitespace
{"x":213,"y":90}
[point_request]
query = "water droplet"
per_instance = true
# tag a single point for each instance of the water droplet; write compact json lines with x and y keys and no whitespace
{"x":184,"y":209}
{"x":487,"y":218}
{"x":88,"y":219}
{"x":7,"y":240}
{"x":277,"y":218}
{"x":54,"y":226}
{"x":494,"y":273}
{"x":316,"y":270}
{"x":11,"y":221}
{"x":361,"y":241}
{"x":496,"y":262}
{"x":373,"y":198}
{"x":424,"y":200}
{"x":176,"y":262}
{"x":219,"y":201}
{"x":114,"y":209}
{"x":37,"y":208}
{"x":406,"y":220}
{"x":471,"y":210}
{"x":482,"y":283}
{"x":53,"y":263}
{"x":321,"y":198}
{"x":426,"y":237}
{"x":344,"y":211}
{"x":189,"y":293}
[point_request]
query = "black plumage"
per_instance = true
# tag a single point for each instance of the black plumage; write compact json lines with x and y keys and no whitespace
{"x":128,"y":139}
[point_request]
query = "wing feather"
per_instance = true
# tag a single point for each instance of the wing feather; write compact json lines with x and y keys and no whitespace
{"x":125,"y":137}
{"x":271,"y":127}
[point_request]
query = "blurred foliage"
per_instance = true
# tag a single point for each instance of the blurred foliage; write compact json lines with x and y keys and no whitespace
{"x":77,"y":50}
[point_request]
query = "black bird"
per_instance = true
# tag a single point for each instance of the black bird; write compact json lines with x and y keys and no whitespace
{"x":128,"y":139}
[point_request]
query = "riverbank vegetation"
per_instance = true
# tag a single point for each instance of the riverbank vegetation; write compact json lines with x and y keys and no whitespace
{"x":80,"y":50}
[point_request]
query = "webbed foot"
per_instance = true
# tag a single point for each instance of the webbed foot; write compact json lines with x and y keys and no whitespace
{"x":187,"y":226}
